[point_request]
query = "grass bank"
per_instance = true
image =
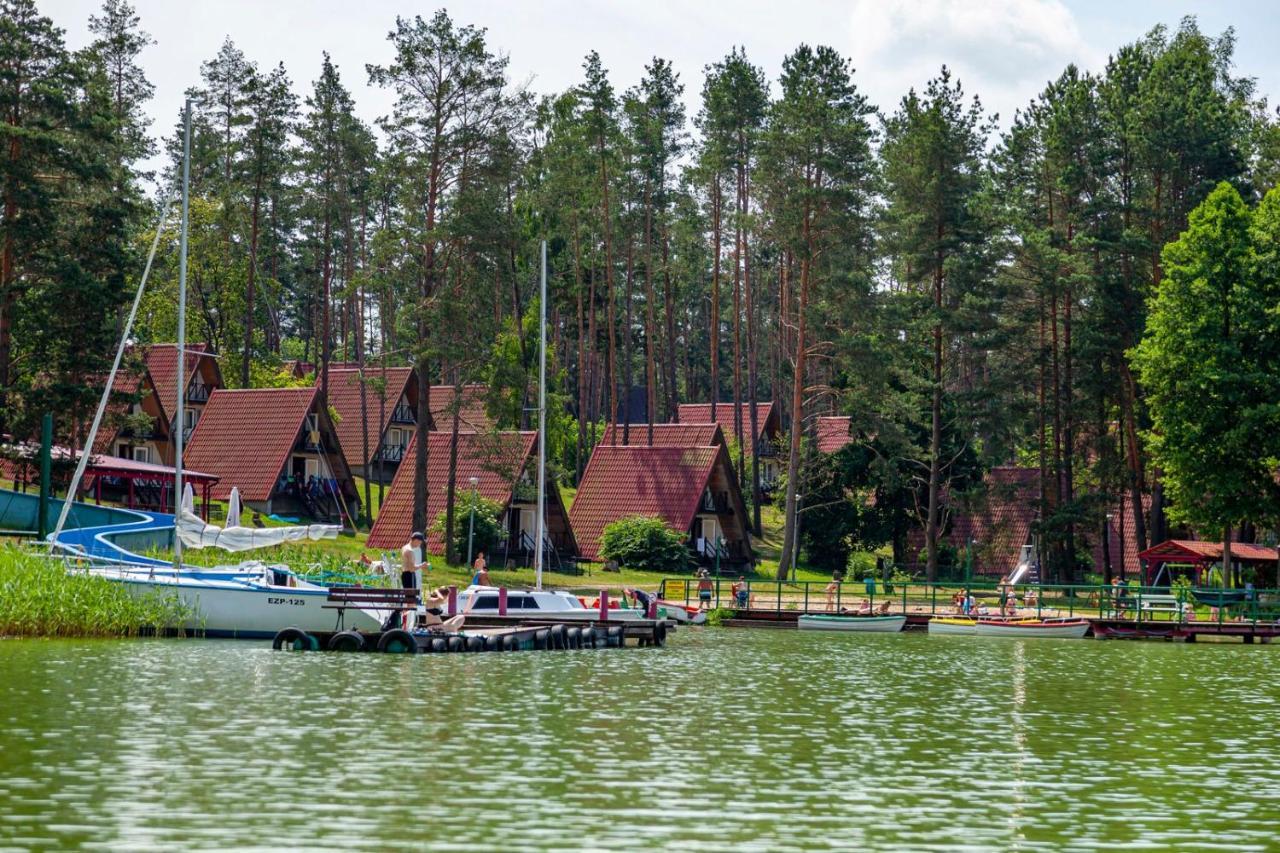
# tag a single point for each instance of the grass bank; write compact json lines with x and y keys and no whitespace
{"x":40,"y":598}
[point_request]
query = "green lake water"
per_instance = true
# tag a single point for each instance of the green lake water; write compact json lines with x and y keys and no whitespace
{"x":726,"y":739}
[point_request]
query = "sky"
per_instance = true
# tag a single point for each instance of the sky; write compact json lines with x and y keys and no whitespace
{"x":1002,"y":50}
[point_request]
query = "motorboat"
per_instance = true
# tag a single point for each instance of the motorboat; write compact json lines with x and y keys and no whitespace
{"x":243,"y":603}
{"x":1034,"y":628}
{"x":876,"y":624}
{"x":537,"y":603}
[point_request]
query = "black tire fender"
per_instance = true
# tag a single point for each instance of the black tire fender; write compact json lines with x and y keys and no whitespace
{"x":346,"y":641}
{"x":296,"y":640}
{"x":398,"y":641}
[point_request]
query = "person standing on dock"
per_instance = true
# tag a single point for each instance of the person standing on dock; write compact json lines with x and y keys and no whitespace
{"x":481,"y":566}
{"x":411,"y":561}
{"x":704,"y":589}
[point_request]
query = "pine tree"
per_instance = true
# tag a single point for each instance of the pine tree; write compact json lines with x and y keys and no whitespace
{"x":933,"y":169}
{"x":819,"y":177}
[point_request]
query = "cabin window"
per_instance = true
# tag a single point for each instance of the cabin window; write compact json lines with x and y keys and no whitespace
{"x":485,"y":602}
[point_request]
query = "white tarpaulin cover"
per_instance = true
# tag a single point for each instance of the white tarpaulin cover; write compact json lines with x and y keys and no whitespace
{"x":196,"y":534}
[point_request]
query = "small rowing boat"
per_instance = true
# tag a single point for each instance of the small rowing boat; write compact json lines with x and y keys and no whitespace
{"x":953,"y":625}
{"x":879,"y":624}
{"x":1040,"y":628}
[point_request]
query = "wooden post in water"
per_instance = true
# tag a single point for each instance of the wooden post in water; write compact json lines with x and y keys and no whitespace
{"x":502,"y":601}
{"x":604,"y":605}
{"x":453,"y":601}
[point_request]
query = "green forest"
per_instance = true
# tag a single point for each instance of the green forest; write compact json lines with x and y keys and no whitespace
{"x":1090,"y":287}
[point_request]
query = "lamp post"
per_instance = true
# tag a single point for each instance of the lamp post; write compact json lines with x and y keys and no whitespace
{"x":471,"y":533}
{"x":1106,"y":549}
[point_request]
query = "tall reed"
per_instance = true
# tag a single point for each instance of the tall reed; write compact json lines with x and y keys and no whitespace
{"x":40,"y":597}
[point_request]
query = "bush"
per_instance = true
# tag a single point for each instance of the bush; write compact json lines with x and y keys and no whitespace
{"x":641,"y":542}
{"x":489,"y":531}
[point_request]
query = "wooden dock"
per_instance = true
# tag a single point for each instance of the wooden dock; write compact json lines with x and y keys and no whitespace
{"x":1185,"y":631}
{"x":490,"y":633}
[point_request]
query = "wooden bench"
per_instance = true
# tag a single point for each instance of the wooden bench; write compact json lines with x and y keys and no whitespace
{"x":398,"y":599}
{"x":1152,"y":603}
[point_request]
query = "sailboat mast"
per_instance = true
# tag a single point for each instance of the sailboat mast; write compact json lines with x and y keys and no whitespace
{"x":182,"y":336}
{"x":542,"y":422}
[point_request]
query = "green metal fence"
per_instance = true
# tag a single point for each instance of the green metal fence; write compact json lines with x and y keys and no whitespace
{"x":1134,"y":604}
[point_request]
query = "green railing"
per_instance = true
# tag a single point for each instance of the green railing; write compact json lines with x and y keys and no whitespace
{"x":1133,"y":604}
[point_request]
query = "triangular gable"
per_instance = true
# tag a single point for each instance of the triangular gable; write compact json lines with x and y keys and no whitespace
{"x":245,"y":437}
{"x":344,"y":397}
{"x":666,"y":482}
{"x":496,"y":460}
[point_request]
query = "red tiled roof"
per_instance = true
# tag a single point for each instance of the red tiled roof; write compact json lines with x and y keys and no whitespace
{"x":666,"y":435}
{"x":344,"y":397}
{"x":1121,"y":531}
{"x":664,"y":482}
{"x":833,"y":432}
{"x":1170,"y":550}
{"x":495,"y":460}
{"x":162,"y":364}
{"x":472,"y":415}
{"x":128,"y":382}
{"x":700,"y":413}
{"x":245,"y":437}
{"x":998,"y":523}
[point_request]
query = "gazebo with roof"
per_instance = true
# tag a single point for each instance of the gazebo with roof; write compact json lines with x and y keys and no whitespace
{"x":1199,"y":556}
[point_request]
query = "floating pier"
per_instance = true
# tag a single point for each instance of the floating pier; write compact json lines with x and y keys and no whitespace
{"x":492,"y":634}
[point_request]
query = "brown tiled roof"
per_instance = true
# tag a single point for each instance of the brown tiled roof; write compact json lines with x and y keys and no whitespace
{"x":833,"y":432}
{"x":245,"y":437}
{"x":998,"y":523}
{"x":700,"y":413}
{"x":1121,"y":522}
{"x":666,"y":435}
{"x":472,"y":415}
{"x":496,"y":460}
{"x":130,"y":380}
{"x":344,"y":397}
{"x":664,"y":482}
{"x":162,"y":364}
{"x":1195,"y":548}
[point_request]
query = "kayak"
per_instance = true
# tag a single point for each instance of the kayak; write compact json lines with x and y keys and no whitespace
{"x":880,"y":624}
{"x":1065,"y":628}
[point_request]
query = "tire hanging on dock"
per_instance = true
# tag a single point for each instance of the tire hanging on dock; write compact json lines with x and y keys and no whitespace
{"x":296,"y":640}
{"x":346,"y":641}
{"x":398,"y":641}
{"x":557,"y":637}
{"x":573,"y":638}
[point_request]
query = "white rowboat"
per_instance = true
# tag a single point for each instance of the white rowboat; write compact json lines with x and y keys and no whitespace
{"x":878,"y":624}
{"x":1066,"y":629}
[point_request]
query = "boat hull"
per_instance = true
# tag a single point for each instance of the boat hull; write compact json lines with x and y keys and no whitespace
{"x":682,"y":614}
{"x":1071,"y":630}
{"x":244,"y":611}
{"x":953,"y":626}
{"x":873,"y":624}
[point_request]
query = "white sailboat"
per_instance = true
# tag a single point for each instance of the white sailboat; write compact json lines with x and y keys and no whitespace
{"x":250,"y":600}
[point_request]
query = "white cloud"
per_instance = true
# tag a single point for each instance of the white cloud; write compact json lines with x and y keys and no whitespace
{"x":1002,"y":50}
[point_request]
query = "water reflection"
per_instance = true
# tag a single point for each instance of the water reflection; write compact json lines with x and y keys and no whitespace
{"x":757,"y":740}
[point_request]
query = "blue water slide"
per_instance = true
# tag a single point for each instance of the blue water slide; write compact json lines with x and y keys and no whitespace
{"x":106,"y":533}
